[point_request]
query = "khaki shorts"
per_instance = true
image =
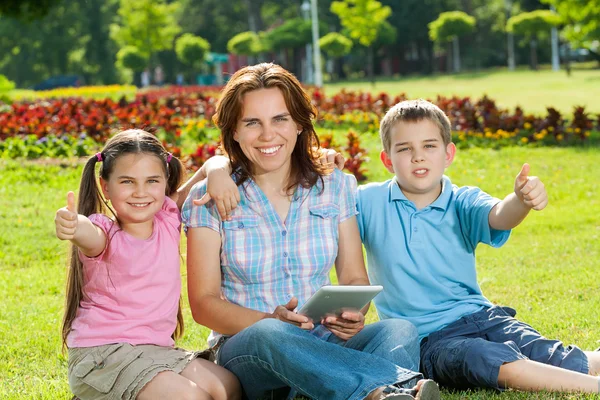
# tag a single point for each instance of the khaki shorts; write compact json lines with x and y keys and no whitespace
{"x":120,"y":371}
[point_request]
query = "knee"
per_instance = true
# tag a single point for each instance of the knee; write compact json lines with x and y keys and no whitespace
{"x":401,"y":331}
{"x":227,"y":387}
{"x":194,"y":393}
{"x":267,"y":335}
{"x":269,"y":328}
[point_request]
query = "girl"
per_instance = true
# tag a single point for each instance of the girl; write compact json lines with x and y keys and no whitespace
{"x":124,"y":286}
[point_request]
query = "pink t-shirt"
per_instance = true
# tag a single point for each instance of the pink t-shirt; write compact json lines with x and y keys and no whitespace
{"x":133,"y":287}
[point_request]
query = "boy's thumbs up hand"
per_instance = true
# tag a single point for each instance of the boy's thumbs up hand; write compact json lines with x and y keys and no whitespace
{"x":530,"y":190}
{"x":66,"y":219}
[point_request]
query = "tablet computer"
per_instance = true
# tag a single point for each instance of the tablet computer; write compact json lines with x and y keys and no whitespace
{"x":334,"y":299}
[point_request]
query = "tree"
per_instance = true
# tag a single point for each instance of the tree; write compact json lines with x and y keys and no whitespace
{"x":26,"y":9}
{"x":363,"y":20}
{"x":245,"y":44}
{"x":148,"y":25}
{"x":335,"y":45}
{"x":132,"y":58}
{"x":191,"y":50}
{"x":532,"y":25}
{"x":448,"y":28}
{"x":582,"y":23}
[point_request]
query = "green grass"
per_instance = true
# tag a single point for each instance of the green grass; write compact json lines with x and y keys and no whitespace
{"x":532,"y":90}
{"x":548,"y":270}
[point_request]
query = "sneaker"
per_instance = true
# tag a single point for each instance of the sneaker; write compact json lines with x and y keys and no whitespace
{"x":429,"y":391}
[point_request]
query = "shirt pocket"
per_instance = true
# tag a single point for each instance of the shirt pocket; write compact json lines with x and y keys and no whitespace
{"x":100,"y":369}
{"x":244,"y":248}
{"x":325,"y":210}
{"x":321,"y":249}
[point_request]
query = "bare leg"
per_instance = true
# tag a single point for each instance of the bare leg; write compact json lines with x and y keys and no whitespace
{"x":170,"y":385}
{"x":213,"y":379}
{"x":532,"y":376}
{"x":594,"y":362}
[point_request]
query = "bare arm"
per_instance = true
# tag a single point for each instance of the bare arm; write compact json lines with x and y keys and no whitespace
{"x":78,"y":229}
{"x":204,"y":290}
{"x":529,"y":193}
{"x":350,"y":269}
{"x":180,"y":195}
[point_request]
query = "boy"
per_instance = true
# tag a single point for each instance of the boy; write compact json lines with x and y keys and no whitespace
{"x":420,"y":233}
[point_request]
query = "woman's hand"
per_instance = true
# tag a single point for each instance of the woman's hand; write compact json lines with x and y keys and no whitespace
{"x":223,"y":191}
{"x":348,"y":324}
{"x":286,"y":313}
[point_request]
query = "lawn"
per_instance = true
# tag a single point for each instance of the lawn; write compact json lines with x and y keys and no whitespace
{"x":548,"y":271}
{"x":532,"y":90}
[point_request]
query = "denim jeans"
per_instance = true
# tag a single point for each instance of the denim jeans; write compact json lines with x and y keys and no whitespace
{"x":469,"y":352}
{"x":271,"y":355}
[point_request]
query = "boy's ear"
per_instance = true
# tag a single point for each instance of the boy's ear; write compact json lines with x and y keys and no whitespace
{"x":387,"y":161}
{"x":104,"y":187}
{"x":450,"y":153}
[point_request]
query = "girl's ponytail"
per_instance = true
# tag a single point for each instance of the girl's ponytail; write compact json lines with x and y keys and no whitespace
{"x":90,"y":202}
{"x":175,"y":174}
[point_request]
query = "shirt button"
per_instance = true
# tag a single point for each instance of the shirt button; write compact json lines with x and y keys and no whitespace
{"x":415,"y":230}
{"x":283,"y":233}
{"x":285,"y":254}
{"x":241,"y":225}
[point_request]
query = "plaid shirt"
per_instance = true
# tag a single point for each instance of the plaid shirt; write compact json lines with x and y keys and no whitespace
{"x":265,"y":262}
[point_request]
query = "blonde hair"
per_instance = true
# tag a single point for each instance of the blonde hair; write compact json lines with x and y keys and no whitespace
{"x":413,"y":111}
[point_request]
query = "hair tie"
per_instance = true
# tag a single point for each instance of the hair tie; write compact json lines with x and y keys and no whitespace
{"x":99,"y":156}
{"x":169,"y":157}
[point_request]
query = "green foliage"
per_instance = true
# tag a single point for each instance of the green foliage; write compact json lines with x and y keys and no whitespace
{"x":291,"y":34}
{"x":335,"y":44}
{"x":31,"y":147}
{"x":531,"y":24}
{"x":26,"y":9}
{"x":5,"y":84}
{"x":132,"y":58}
{"x":245,"y":43}
{"x":191,"y":50}
{"x":149,"y":25}
{"x":450,"y":25}
{"x":582,"y":19}
{"x":362,"y":18}
{"x":387,"y":35}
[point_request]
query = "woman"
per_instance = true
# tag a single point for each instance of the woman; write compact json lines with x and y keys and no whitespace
{"x":249,"y":271}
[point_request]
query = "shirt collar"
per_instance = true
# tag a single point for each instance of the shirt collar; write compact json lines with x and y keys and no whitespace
{"x":395,"y":193}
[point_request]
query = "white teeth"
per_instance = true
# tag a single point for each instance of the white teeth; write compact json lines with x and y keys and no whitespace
{"x":420,"y":171}
{"x":139,"y":204}
{"x":270,"y":150}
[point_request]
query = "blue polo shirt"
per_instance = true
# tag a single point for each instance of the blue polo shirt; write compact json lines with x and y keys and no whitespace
{"x":425,"y":259}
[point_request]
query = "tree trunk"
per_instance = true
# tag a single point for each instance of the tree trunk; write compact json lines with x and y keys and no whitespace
{"x":455,"y":55}
{"x":533,"y":54}
{"x":567,"y":59}
{"x":370,"y":67}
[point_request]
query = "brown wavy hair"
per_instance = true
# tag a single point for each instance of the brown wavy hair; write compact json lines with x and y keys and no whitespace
{"x":305,"y":171}
{"x":131,"y":141}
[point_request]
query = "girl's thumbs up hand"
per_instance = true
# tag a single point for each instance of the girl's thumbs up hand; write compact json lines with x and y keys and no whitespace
{"x":66,"y":219}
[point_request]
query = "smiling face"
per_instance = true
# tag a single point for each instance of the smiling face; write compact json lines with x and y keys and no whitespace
{"x":136,"y":188}
{"x":266,"y":132}
{"x":418,"y":158}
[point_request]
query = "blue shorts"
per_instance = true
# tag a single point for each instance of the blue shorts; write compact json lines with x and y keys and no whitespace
{"x":469,"y":352}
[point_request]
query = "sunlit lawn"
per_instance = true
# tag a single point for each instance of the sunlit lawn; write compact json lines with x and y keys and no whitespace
{"x":532,"y":90}
{"x":548,"y":271}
